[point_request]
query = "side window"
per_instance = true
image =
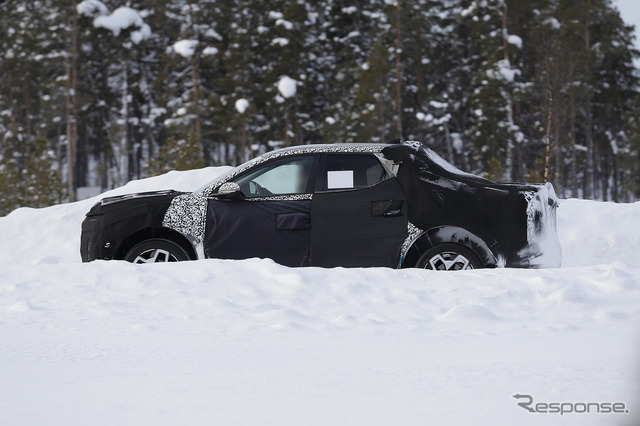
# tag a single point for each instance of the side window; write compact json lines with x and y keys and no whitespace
{"x":287,"y":176}
{"x":349,"y":171}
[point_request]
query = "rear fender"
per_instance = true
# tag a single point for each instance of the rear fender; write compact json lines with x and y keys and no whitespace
{"x":424,"y":240}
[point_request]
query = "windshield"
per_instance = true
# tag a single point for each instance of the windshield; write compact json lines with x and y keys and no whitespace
{"x":223,"y":177}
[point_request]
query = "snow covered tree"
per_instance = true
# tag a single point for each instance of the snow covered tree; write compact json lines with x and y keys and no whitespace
{"x":119,"y":90}
{"x":176,"y":155}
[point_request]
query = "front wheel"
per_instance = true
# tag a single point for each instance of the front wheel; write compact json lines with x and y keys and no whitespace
{"x":156,"y":250}
{"x":449,"y":257}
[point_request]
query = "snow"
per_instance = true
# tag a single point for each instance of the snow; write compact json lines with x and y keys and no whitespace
{"x":284,"y":23}
{"x":287,"y":87}
{"x":515,"y":40}
{"x":457,"y":142}
{"x":438,"y":105}
{"x":544,"y":233}
{"x":252,"y":342}
{"x":121,"y":19}
{"x":424,"y":117}
{"x":92,"y":8}
{"x":280,"y":41}
{"x":503,"y":71}
{"x":209,"y":50}
{"x":553,"y":22}
{"x":443,"y":163}
{"x":211,"y":33}
{"x":242,"y":105}
{"x":470,"y":10}
{"x":185,"y":48}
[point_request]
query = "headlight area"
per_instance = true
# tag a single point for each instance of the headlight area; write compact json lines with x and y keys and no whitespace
{"x":103,"y":232}
{"x":88,"y":238}
{"x":101,"y":236}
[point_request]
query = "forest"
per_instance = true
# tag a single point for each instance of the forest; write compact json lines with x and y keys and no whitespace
{"x":95,"y":93}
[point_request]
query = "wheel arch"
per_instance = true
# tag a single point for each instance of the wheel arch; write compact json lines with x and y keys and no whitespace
{"x":448,"y":234}
{"x":158,"y":232}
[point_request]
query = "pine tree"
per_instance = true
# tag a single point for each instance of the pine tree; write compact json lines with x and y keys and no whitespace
{"x":470,"y":78}
{"x":41,"y":184}
{"x":176,"y":155}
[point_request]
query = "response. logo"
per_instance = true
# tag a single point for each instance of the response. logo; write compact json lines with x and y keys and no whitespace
{"x":562,"y":408}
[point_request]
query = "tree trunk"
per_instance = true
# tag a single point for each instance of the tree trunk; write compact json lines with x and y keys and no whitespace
{"x":572,"y":135}
{"x":196,"y":88}
{"x":547,"y":158}
{"x":560,"y":177}
{"x":418,"y":76}
{"x":597,"y":174}
{"x":296,"y":125}
{"x":243,"y":157}
{"x":616,"y":180}
{"x":590,"y":175}
{"x":447,"y":136}
{"x":72,"y":125}
{"x":14,"y":125}
{"x":510,"y":145}
{"x":398,"y":69}
{"x":123,"y":147}
{"x":380,"y":109}
{"x":287,"y":124}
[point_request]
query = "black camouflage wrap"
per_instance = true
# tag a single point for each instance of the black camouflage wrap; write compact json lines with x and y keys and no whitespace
{"x":432,"y":203}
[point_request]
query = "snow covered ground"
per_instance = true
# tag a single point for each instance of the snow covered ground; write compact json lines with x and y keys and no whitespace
{"x":251,"y":342}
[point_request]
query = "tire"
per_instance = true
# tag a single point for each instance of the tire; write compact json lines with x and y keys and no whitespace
{"x":449,"y":257}
{"x":156,"y":250}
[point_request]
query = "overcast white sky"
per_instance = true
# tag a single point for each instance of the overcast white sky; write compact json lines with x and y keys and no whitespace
{"x":630,"y":11}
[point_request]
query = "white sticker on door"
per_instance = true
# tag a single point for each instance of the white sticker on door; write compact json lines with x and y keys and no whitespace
{"x":340,"y":179}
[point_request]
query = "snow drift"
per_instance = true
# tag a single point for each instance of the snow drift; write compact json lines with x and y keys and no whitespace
{"x":252,"y":342}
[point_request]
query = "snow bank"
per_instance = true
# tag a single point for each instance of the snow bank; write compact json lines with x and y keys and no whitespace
{"x":595,"y":233}
{"x":590,"y":232}
{"x":252,"y":342}
{"x":51,"y":234}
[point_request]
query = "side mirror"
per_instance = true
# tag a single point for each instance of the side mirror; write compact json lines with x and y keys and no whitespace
{"x":229,"y":191}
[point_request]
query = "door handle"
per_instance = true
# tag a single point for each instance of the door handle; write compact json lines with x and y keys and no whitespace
{"x":386,"y":208}
{"x":392,"y":212}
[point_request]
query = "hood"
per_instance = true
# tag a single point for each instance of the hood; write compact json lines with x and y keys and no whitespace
{"x":128,"y":200}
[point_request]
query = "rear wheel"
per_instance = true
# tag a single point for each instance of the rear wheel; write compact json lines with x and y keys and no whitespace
{"x":449,"y":257}
{"x":156,"y":250}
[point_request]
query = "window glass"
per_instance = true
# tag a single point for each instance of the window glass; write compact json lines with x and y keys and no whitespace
{"x":279,"y":177}
{"x":347,"y":171}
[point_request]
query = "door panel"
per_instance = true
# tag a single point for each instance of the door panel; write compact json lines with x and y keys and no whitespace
{"x":359,"y":227}
{"x":240,"y":229}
